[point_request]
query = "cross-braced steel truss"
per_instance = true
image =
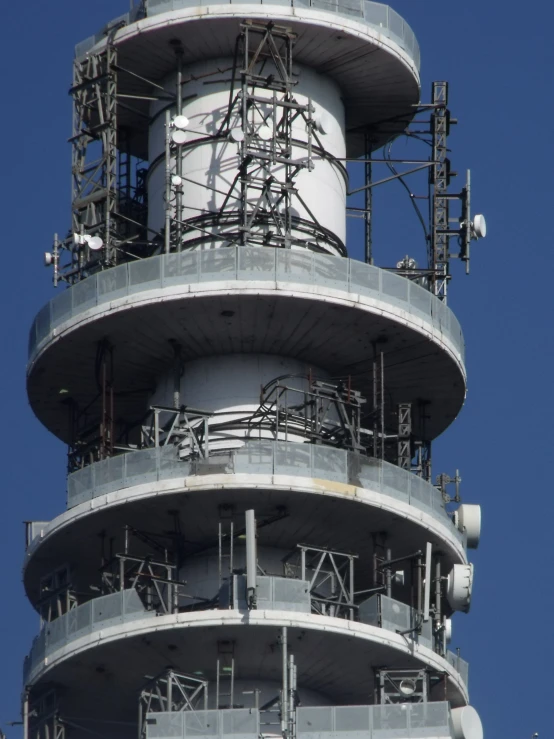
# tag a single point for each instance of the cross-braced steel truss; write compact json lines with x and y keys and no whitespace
{"x":262,"y":205}
{"x":43,"y":717}
{"x":171,"y":692}
{"x":331,"y":578}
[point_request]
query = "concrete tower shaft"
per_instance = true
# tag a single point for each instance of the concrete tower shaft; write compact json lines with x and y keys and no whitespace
{"x":253,"y":544}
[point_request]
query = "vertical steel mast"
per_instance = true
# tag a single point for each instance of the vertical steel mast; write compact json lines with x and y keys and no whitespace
{"x":253,"y":542}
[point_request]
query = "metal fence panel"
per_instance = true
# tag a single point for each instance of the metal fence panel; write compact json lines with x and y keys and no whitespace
{"x":356,"y":720}
{"x":107,"y":610}
{"x":291,"y":595}
{"x":311,"y":721}
{"x":201,"y":723}
{"x":240,"y":721}
{"x":164,"y":725}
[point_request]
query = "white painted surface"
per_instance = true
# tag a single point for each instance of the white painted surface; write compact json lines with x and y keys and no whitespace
{"x":466,"y":723}
{"x":210,"y":168}
{"x":229,"y":386}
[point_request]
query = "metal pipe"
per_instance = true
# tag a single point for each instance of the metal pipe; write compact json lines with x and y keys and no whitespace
{"x":25,"y":714}
{"x":427,"y":591}
{"x":167,"y":183}
{"x":284,"y":690}
{"x":251,"y":558}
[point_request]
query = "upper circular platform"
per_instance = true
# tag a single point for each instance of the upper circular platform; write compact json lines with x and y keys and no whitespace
{"x":326,"y":311}
{"x":366,"y":47}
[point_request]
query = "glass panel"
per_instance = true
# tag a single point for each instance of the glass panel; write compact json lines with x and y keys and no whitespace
{"x":256,"y":457}
{"x":79,"y":486}
{"x":329,"y":464}
{"x":256,"y":264}
{"x":396,"y":24}
{"x":376,"y":14}
{"x":364,"y":278}
{"x":170,"y":465}
{"x":369,"y":611}
{"x":112,"y":283}
{"x":56,"y":632}
{"x":420,"y":494}
{"x":396,"y":482}
{"x":331,"y":271}
{"x":84,"y":295}
{"x":144,"y":271}
{"x":294,"y":266}
{"x":395,"y":287}
{"x":429,"y":716}
{"x":42,"y":322}
{"x":371,"y":474}
{"x":395,"y":616}
{"x":218,"y":264}
{"x":141,"y":467}
{"x":292,"y":459}
{"x":84,"y":618}
{"x":420,"y":299}
{"x":62,"y":306}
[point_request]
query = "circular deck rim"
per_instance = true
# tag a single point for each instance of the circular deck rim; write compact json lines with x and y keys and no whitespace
{"x":356,"y":292}
{"x":270,"y":619}
{"x":200,"y":484}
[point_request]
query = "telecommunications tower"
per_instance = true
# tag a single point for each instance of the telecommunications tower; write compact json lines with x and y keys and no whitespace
{"x":254,"y":544}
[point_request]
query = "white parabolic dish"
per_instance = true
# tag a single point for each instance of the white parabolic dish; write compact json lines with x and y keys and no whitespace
{"x":466,"y":723}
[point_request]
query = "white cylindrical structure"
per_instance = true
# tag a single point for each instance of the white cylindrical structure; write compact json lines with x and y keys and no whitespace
{"x":210,"y":158}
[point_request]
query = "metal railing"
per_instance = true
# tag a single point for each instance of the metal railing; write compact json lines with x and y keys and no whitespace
{"x":258,"y":457}
{"x":374,"y":722}
{"x":94,"y":615}
{"x":233,"y":264}
{"x":376,"y":15}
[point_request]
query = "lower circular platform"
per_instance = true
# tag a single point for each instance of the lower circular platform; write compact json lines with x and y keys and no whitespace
{"x":335,"y":658}
{"x":313,"y":495}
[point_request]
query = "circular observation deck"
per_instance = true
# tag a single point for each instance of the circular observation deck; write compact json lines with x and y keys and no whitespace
{"x":336,"y":657}
{"x":328,"y":312}
{"x":304,"y":485}
{"x":366,"y":47}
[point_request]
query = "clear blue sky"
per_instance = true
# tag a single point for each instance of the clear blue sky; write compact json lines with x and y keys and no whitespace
{"x":499,"y":60}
